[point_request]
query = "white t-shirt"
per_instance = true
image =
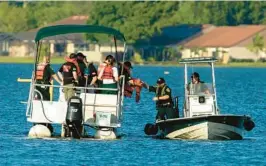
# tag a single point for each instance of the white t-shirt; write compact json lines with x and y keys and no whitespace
{"x":111,"y":81}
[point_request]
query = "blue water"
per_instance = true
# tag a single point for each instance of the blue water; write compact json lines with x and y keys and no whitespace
{"x":239,"y":90}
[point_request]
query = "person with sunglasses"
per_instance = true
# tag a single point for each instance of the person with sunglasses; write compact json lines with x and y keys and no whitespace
{"x":108,"y":75}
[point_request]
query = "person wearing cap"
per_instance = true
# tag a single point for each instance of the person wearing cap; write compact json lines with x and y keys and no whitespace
{"x":131,"y":84}
{"x":68,"y":73}
{"x":197,"y":86}
{"x":163,"y":99}
{"x":126,"y":68}
{"x":108,"y":75}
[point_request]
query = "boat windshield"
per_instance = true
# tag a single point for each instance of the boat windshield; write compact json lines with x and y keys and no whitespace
{"x":200,"y":89}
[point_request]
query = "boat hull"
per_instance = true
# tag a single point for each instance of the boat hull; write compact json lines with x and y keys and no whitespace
{"x":215,"y":127}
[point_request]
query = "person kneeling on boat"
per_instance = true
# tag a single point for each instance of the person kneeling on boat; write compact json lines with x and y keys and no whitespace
{"x":68,"y":73}
{"x":108,"y":75}
{"x":131,"y":84}
{"x":44,"y":74}
{"x":197,"y":86}
{"x":163,"y":98}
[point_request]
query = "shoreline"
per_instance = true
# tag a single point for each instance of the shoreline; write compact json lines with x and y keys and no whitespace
{"x":60,"y":60}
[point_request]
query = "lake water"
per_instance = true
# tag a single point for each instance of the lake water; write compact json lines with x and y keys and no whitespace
{"x":239,"y":90}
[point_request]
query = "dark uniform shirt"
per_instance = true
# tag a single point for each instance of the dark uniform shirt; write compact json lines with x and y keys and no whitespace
{"x":47,"y":75}
{"x":82,"y":67}
{"x":67,"y":70}
{"x":162,"y":91}
{"x":90,"y":72}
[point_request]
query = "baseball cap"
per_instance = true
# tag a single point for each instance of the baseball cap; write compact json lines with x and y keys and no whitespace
{"x":80,"y":54}
{"x":160,"y":80}
{"x":128,"y":64}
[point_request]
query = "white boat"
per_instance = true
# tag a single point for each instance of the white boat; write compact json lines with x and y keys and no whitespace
{"x":101,"y":113}
{"x":201,"y":117}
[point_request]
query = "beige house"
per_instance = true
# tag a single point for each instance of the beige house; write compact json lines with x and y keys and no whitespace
{"x":22,"y":44}
{"x":225,"y":42}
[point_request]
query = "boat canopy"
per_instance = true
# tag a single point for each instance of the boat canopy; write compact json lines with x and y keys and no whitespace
{"x":64,"y":29}
{"x":198,"y":60}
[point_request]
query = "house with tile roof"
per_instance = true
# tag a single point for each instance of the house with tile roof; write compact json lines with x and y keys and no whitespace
{"x":226,"y":42}
{"x":22,"y":43}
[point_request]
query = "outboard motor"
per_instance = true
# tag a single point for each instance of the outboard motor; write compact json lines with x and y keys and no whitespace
{"x":74,"y":118}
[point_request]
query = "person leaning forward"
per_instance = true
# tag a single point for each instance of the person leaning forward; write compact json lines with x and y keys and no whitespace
{"x":82,"y":63}
{"x":163,"y":98}
{"x":44,"y":75}
{"x":68,"y":73}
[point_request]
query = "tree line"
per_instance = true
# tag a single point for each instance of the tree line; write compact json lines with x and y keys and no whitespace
{"x":139,"y":21}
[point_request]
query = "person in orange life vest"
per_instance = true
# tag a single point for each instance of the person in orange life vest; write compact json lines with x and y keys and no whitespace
{"x":44,"y":74}
{"x":131,"y":84}
{"x":108,"y":74}
{"x":68,"y":73}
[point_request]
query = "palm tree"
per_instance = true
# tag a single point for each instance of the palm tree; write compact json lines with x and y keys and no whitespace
{"x":257,"y":45}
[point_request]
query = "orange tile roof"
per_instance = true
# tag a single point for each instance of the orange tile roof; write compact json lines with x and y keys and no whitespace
{"x":225,"y":36}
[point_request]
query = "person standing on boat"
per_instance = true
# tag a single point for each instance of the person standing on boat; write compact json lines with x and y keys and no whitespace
{"x":108,"y":75}
{"x":131,"y":84}
{"x":44,"y":74}
{"x":197,"y":86}
{"x":68,"y":73}
{"x":82,"y":63}
{"x":163,"y":99}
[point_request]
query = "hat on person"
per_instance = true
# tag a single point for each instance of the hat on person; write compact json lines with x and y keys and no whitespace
{"x":128,"y":64}
{"x":80,"y":54}
{"x":160,"y":80}
{"x":195,"y":74}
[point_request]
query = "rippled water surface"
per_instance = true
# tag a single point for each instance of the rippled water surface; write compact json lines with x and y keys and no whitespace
{"x":239,"y":90}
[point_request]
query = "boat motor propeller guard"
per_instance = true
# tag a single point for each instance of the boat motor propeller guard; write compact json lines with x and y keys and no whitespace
{"x":74,"y":118}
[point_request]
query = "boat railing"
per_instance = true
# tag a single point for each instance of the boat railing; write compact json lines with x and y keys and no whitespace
{"x":118,"y":105}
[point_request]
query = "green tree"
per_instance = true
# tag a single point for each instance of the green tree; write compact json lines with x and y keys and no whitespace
{"x":257,"y":45}
{"x":12,"y":19}
{"x":137,"y":58}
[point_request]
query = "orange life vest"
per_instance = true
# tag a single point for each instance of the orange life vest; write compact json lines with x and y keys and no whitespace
{"x":40,"y":71}
{"x":108,"y":73}
{"x":130,"y":88}
{"x":74,"y":61}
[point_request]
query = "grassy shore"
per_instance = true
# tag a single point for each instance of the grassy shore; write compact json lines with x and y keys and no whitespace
{"x":60,"y":60}
{"x":19,"y":60}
